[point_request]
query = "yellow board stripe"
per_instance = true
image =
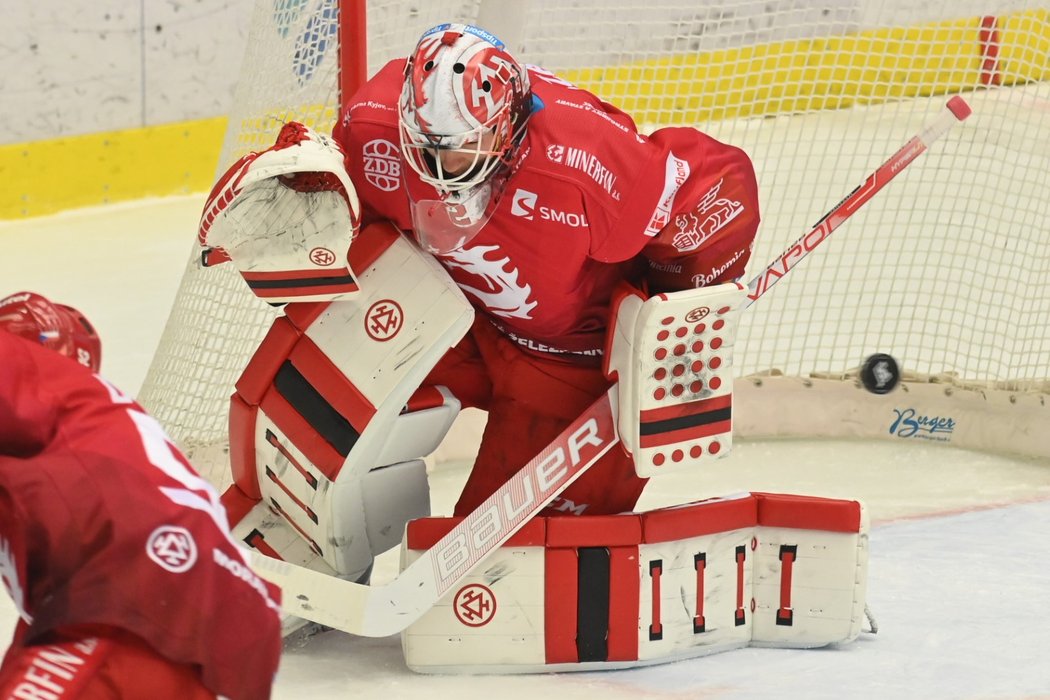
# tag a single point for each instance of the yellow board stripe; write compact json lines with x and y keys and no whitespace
{"x":43,"y":177}
{"x":822,"y":73}
{"x":792,"y":76}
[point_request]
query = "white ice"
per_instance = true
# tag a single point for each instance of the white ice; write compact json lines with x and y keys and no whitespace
{"x":960,"y":546}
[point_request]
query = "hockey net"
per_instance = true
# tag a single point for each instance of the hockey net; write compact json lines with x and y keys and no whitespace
{"x":948,"y":269}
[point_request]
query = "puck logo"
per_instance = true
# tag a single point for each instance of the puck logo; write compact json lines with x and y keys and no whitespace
{"x":383,"y":320}
{"x":880,"y":374}
{"x":474,"y":605}
{"x":172,"y":548}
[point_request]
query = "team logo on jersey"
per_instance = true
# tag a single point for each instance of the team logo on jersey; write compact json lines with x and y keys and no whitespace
{"x":524,"y":204}
{"x":475,"y":605}
{"x":709,"y":217}
{"x":382,"y":164}
{"x":172,"y":548}
{"x":383,"y":320}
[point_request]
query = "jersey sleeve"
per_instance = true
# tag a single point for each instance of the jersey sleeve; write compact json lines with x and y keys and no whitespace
{"x":27,"y":422}
{"x":708,"y":233}
{"x":690,"y":209}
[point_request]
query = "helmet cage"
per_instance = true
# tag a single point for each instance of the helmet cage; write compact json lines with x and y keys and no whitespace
{"x":463,"y":94}
{"x":486,"y":148}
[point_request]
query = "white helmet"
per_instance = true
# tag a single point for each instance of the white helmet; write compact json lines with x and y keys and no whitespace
{"x":462,"y":92}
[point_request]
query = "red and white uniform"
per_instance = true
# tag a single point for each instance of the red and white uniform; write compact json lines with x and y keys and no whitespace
{"x":104,"y":527}
{"x":589,"y":203}
{"x":588,"y":198}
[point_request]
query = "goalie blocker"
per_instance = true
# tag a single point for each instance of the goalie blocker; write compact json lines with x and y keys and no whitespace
{"x":672,"y":357}
{"x":606,"y":592}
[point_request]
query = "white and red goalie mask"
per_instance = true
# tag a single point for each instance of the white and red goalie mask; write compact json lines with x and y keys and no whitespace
{"x":464,"y":105}
{"x":56,"y":326}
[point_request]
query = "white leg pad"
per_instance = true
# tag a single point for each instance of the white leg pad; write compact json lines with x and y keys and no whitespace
{"x":606,"y":592}
{"x":330,"y":422}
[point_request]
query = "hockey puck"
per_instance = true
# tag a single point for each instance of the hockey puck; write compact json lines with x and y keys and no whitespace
{"x":880,"y":374}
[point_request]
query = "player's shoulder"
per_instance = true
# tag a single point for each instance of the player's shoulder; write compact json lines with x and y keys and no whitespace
{"x":30,"y":369}
{"x":579,"y":112}
{"x":376,"y":101}
{"x":576,"y":137}
{"x":15,"y":349}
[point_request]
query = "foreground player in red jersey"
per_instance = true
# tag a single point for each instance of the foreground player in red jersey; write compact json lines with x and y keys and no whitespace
{"x":116,"y":553}
{"x":539,"y":199}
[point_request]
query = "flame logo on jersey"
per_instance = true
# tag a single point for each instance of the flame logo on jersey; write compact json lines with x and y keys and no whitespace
{"x":508,"y":298}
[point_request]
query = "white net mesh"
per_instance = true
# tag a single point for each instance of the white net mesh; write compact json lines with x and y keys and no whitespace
{"x":948,"y":268}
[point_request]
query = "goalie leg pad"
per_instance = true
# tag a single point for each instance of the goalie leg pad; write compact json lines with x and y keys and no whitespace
{"x":672,"y":355}
{"x":619,"y":591}
{"x":333,"y":394}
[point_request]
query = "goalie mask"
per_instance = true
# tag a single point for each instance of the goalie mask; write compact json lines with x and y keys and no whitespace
{"x":464,"y":105}
{"x":56,"y":326}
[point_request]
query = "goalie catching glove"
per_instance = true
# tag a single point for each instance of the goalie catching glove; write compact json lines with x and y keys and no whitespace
{"x":286,"y":217}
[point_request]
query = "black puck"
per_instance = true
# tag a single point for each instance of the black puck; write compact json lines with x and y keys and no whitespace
{"x":880,"y":374}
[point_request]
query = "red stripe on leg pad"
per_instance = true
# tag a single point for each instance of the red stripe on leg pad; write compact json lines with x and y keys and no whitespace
{"x":696,"y":519}
{"x":302,"y":314}
{"x":686,"y":435}
{"x":690,"y":408}
{"x":624,"y":600}
{"x":242,"y":446}
{"x":594,"y":530}
{"x":274,"y":349}
{"x":560,"y":591}
{"x":808,"y":512}
{"x":330,"y":382}
{"x":300,"y":433}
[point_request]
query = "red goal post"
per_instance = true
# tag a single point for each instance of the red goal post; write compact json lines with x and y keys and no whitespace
{"x":948,"y":271}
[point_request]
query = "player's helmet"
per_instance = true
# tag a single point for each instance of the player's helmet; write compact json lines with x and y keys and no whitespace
{"x":56,"y":326}
{"x":462,"y":93}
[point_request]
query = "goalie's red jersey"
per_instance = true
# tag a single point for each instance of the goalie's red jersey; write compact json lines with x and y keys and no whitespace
{"x":102,"y":522}
{"x":589,"y":202}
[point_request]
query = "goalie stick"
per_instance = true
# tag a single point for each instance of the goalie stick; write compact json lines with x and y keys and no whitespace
{"x":383,"y":610}
{"x":954,"y":111}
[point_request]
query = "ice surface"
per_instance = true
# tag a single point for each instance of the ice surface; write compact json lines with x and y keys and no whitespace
{"x":959,"y":574}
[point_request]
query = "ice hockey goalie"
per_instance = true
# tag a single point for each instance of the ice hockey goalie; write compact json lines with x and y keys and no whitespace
{"x":328,"y":424}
